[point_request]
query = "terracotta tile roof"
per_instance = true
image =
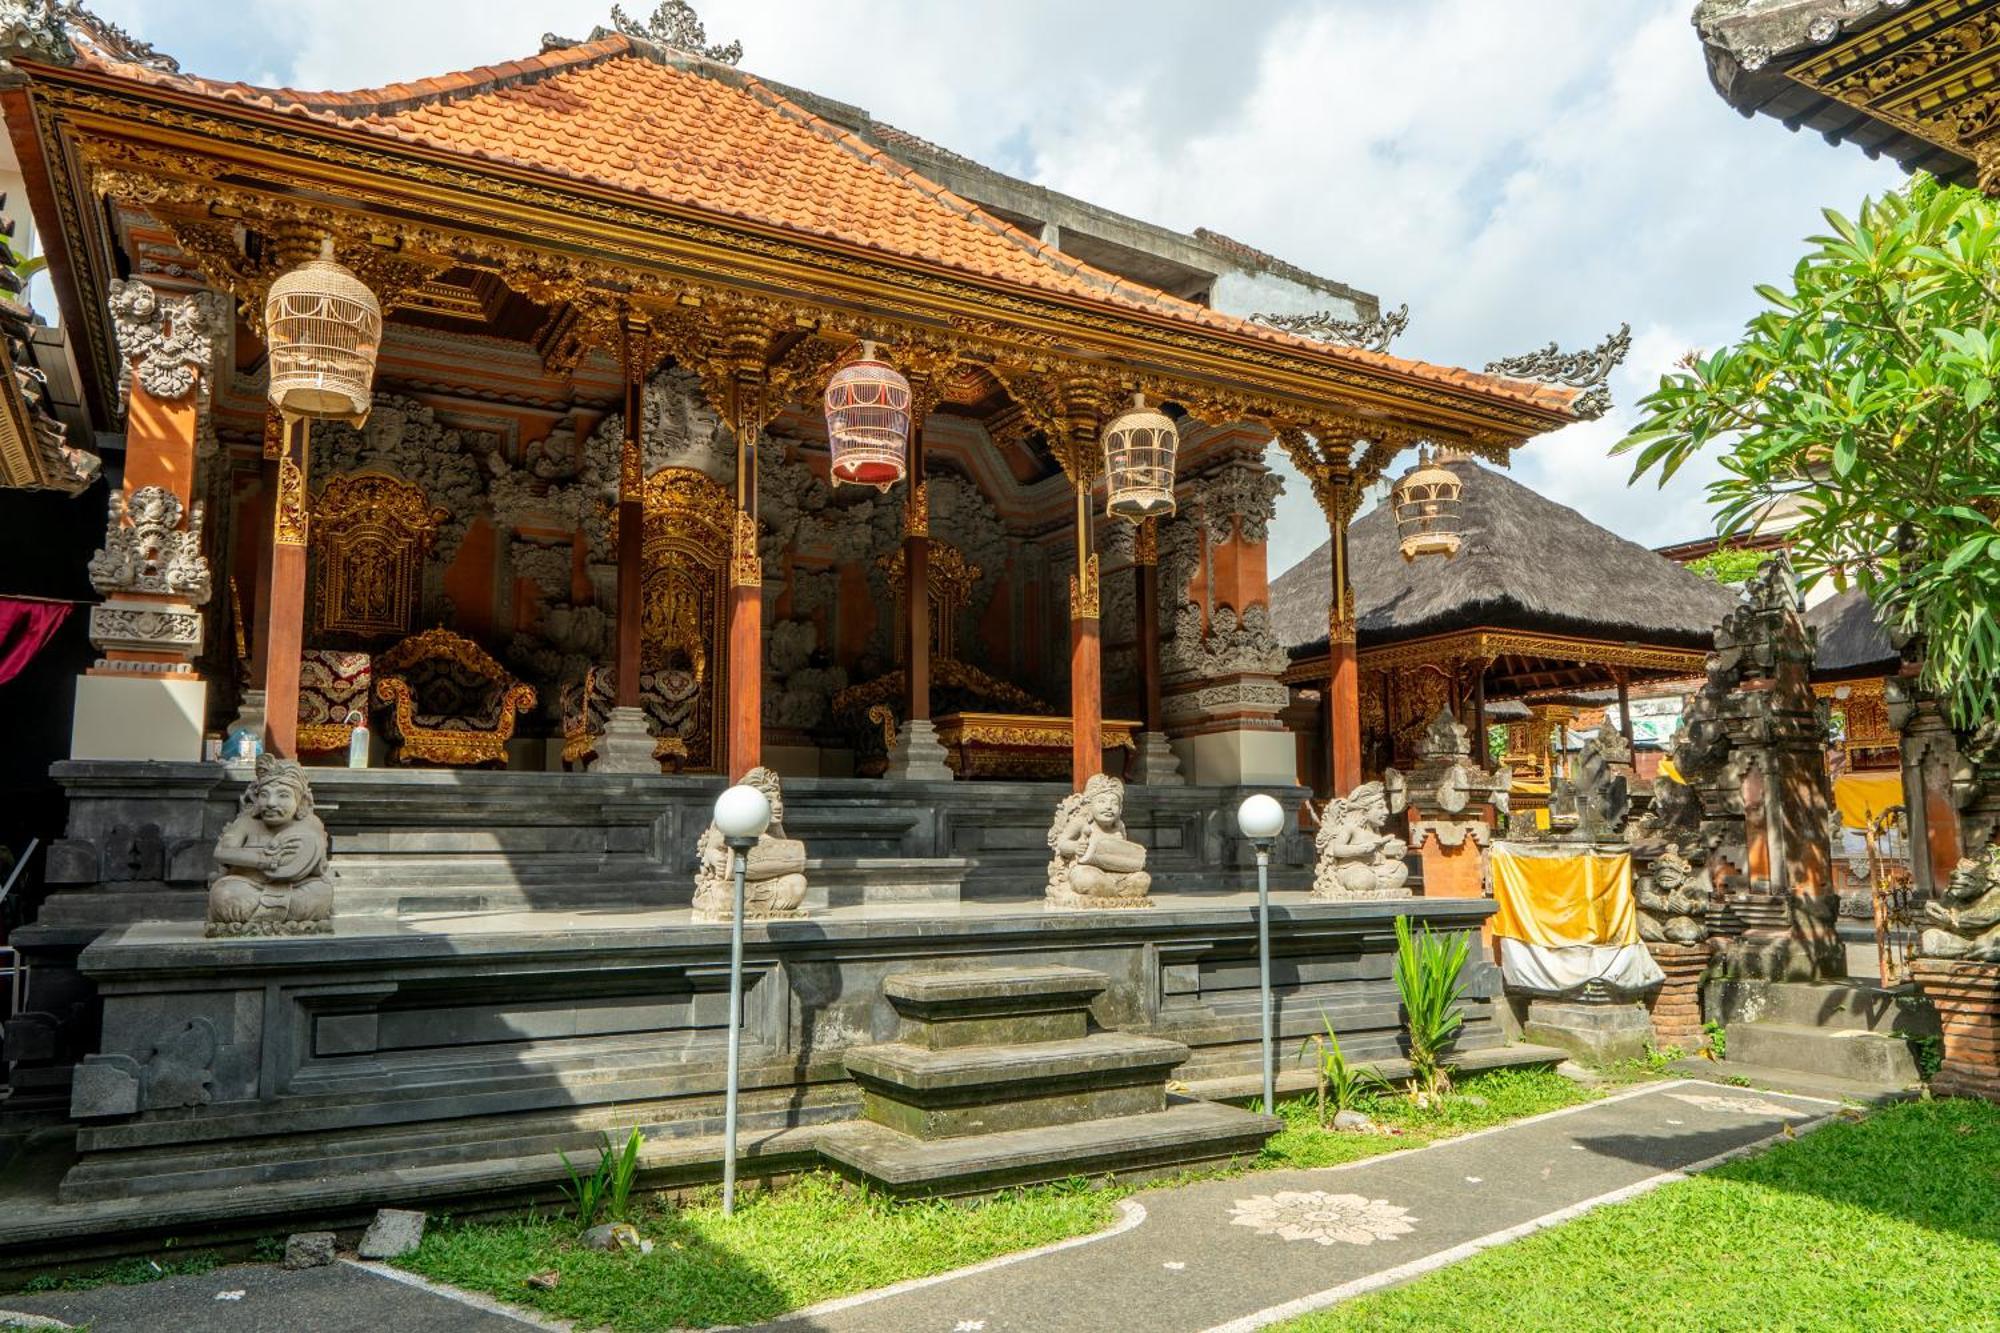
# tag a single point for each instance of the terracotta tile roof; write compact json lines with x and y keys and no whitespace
{"x":610,"y":112}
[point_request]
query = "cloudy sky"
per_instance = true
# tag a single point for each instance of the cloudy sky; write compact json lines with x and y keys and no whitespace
{"x":1516,"y":172}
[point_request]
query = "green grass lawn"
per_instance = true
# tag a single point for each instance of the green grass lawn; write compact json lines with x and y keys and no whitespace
{"x":1892,"y":1222}
{"x":819,"y":1238}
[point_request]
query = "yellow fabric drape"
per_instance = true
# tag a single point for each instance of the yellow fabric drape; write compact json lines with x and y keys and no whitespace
{"x":1669,"y":772}
{"x":1563,"y":899}
{"x":1862,"y":796}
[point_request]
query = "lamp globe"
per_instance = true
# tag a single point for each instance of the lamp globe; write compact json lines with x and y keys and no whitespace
{"x":1260,"y":817}
{"x":742,"y":814}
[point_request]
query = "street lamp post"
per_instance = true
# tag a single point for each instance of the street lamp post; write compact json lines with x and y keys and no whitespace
{"x":1262,"y":819}
{"x":741,"y":815}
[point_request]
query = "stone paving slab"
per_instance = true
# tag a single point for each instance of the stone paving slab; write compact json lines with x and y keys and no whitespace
{"x":263,"y":1298}
{"x":1236,"y":1253}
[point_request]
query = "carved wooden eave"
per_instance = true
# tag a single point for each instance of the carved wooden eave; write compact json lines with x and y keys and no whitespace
{"x":1917,"y":82}
{"x":1486,"y":645}
{"x":401,"y":213}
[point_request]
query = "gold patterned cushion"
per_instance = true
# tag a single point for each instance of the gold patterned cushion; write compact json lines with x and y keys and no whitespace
{"x":333,"y":686}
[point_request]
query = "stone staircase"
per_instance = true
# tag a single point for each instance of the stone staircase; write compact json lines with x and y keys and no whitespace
{"x":1843,"y":1038}
{"x":998,"y":1080}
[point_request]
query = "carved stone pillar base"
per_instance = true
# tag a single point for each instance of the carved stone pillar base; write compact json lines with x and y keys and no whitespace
{"x":917,"y":756}
{"x":1676,"y":1006}
{"x":626,"y":745}
{"x":249,"y":715}
{"x":1967,"y":997}
{"x":1156,"y":764}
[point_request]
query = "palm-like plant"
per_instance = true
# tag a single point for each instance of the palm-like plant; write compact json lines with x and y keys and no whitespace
{"x":1340,"y":1085}
{"x":1430,"y":975}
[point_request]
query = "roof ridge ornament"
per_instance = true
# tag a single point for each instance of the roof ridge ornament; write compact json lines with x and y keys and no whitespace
{"x":674,"y":23}
{"x":1370,"y":335}
{"x":44,"y":30}
{"x":1577,"y":370}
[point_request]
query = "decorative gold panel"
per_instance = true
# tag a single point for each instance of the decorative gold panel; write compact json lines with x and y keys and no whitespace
{"x":690,"y":521}
{"x":370,"y":534}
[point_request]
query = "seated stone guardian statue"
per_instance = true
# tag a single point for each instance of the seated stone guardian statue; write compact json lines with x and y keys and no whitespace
{"x":273,"y":877}
{"x":1356,"y":858}
{"x":1094,"y":863}
{"x":774,"y":877}
{"x":1672,"y":901}
{"x":1964,"y":920}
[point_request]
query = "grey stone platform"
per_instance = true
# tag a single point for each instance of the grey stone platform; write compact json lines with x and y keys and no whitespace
{"x":1854,"y":1034}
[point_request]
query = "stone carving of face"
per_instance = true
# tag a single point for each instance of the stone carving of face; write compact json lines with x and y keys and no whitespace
{"x":1106,"y":806}
{"x":276,"y":804}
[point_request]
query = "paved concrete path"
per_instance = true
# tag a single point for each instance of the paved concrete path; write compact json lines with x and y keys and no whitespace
{"x":1240,"y":1253}
{"x":1221,"y":1255}
{"x":264,"y":1298}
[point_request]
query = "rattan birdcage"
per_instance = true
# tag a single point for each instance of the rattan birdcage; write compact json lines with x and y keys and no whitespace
{"x":1426,"y":503}
{"x":324,"y":329}
{"x":868,"y":421}
{"x":1139,"y":449}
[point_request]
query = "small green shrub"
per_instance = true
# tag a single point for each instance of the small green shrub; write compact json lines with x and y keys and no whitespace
{"x":1339,"y":1086}
{"x":609,"y":1187}
{"x":1430,"y":976}
{"x":1929,"y":1054}
{"x":1718,"y":1039}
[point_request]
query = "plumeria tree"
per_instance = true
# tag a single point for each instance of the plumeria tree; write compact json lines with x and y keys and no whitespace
{"x":1862,"y":400}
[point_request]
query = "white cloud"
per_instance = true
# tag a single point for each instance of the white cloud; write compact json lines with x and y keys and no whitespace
{"x":1515,"y":172}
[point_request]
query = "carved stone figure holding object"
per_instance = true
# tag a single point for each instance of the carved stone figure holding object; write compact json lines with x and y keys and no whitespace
{"x":1356,"y":859}
{"x":1964,"y":922}
{"x":1094,"y":863}
{"x":1673,"y":901}
{"x":774,"y":878}
{"x":274,"y":878}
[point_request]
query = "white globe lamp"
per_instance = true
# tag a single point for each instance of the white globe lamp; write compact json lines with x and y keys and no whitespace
{"x":743,"y":813}
{"x":1261,"y":818}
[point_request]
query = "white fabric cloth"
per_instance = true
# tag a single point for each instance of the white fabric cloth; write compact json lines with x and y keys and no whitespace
{"x":1626,"y":968}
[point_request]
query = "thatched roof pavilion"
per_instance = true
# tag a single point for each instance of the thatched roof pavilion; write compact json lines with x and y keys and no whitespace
{"x":1539,"y":603}
{"x":1852,"y":641}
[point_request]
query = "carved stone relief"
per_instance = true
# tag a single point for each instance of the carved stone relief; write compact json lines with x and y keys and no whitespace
{"x":146,"y":551}
{"x":404,"y":438}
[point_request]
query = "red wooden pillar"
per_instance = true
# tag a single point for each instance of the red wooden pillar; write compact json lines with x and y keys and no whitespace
{"x":286,"y":637}
{"x":1085,"y":669}
{"x":1146,"y":545}
{"x":746,"y":587}
{"x":917,"y":573}
{"x":1343,"y":695}
{"x":260,"y":588}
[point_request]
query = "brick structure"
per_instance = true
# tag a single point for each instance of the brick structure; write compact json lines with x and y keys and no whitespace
{"x":1675,"y":1007}
{"x":1967,"y":997}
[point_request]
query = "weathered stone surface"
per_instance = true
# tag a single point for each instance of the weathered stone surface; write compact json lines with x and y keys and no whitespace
{"x":612,"y":1236}
{"x":394,"y":1232}
{"x":1093,"y":861}
{"x":309,"y":1249}
{"x":1352,"y":1121}
{"x":1356,"y":859}
{"x":1596,"y":1034}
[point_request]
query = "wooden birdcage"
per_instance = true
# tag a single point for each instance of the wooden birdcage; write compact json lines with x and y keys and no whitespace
{"x":1426,"y":503}
{"x":1139,"y":449}
{"x":324,"y":329}
{"x":868,"y":421}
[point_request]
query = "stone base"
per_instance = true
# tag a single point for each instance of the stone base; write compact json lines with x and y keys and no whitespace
{"x":1967,"y":997}
{"x":626,"y":745}
{"x":879,"y":881}
{"x":1156,"y":764}
{"x":917,"y":756}
{"x":249,"y":716}
{"x":1338,"y":895}
{"x":1845,"y":1030}
{"x":155,"y":717}
{"x":1064,"y":901}
{"x":1595,"y":1034}
{"x":1675,"y":1007}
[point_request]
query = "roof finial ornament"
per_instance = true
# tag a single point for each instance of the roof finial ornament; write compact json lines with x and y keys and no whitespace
{"x":674,"y":23}
{"x":47,"y":30}
{"x":1371,"y":335}
{"x":1579,"y":370}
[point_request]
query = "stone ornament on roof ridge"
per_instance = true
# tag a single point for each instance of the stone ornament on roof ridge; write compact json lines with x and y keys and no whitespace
{"x":1756,"y":31}
{"x":1577,"y":370}
{"x":674,"y":23}
{"x":1370,"y":335}
{"x":44,"y":30}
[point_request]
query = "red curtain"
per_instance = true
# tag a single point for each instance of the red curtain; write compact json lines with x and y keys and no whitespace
{"x":25,"y":627}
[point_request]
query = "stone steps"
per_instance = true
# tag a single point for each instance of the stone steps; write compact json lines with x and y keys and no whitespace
{"x":998,"y":1080}
{"x":1855,"y":1006}
{"x":1850,"y":1054}
{"x":1798,"y":1082}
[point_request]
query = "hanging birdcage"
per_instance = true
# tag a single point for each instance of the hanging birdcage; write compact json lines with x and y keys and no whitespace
{"x":868,"y":421}
{"x":1426,"y":503}
{"x":324,"y":329}
{"x":1139,"y":448}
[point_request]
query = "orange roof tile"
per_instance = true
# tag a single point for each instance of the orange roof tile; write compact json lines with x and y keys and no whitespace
{"x":609,"y":113}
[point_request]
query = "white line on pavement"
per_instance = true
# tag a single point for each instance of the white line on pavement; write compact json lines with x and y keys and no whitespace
{"x":472,"y":1298}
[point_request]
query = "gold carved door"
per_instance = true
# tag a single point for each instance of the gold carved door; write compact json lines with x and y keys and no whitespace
{"x":683,"y":649}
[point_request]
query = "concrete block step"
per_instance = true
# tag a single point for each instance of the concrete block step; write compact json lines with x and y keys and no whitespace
{"x":936,"y":994}
{"x":1298,"y":1081}
{"x":1794,"y":1081}
{"x":1186,"y":1135}
{"x":1857,"y":1006}
{"x":1102,"y":1058}
{"x":1843,"y":1053}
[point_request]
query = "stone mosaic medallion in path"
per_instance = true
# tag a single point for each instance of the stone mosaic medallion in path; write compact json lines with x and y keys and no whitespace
{"x":1740,"y":1105}
{"x":1330,"y":1219}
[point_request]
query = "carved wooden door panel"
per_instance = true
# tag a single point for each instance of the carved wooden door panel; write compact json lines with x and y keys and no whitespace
{"x":683,"y":649}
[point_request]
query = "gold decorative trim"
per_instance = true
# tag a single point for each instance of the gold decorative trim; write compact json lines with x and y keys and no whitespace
{"x":917,"y":515}
{"x":1146,"y":543}
{"x":1445,"y":649}
{"x":291,"y":521}
{"x":746,"y":567}
{"x":1084,"y":601}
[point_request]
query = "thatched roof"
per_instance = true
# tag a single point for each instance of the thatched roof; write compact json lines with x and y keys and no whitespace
{"x":1527,"y":563}
{"x":1852,"y":641}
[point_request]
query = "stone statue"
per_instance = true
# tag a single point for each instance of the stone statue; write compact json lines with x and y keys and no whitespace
{"x":774,"y":879}
{"x":1672,"y":901}
{"x":274,"y":878}
{"x":1093,"y":862}
{"x":1965,"y":918}
{"x":1597,"y":795}
{"x":1356,"y":859}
